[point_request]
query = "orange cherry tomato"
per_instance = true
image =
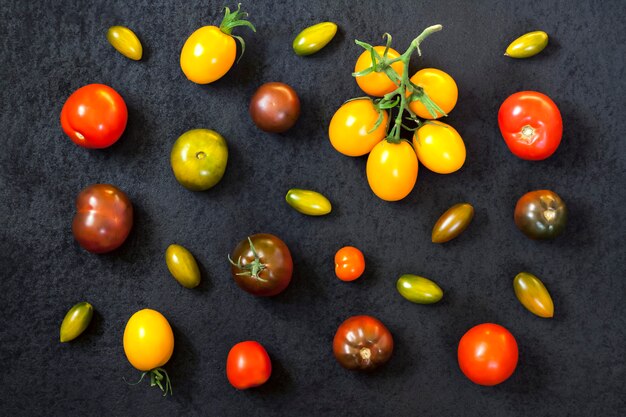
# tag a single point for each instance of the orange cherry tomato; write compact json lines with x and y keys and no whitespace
{"x":488,"y":354}
{"x":440,"y":87}
{"x":248,"y":365}
{"x":349,"y":263}
{"x":94,"y":116}
{"x":392,"y":170}
{"x":377,"y":84}
{"x":349,"y":129}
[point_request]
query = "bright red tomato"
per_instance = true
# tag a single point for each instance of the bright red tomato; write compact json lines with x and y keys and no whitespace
{"x":531,"y":125}
{"x":248,"y":365}
{"x":349,"y":263}
{"x":94,"y":116}
{"x":488,"y":354}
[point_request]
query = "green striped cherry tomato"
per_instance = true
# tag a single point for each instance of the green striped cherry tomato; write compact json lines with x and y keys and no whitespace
{"x":418,"y":289}
{"x":76,"y":321}
{"x":314,"y":38}
{"x":308,"y":202}
{"x":125,"y":42}
{"x":527,"y":45}
{"x":182,"y":265}
{"x":533,"y":295}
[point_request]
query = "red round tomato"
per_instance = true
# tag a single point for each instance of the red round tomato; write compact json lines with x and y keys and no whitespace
{"x":248,"y":365}
{"x":488,"y":354}
{"x":349,"y":263}
{"x":531,"y":125}
{"x":94,"y":116}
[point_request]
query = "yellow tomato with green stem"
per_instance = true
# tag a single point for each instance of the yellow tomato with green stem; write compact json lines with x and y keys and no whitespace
{"x":351,"y":130}
{"x":377,"y":84}
{"x":148,"y":345}
{"x":210,"y":51}
{"x":392,"y":170}
{"x":441,"y":89}
{"x":439,"y":147}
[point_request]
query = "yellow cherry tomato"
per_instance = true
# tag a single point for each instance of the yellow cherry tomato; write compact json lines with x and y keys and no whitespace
{"x":349,"y":127}
{"x":440,"y":87}
{"x":210,"y":51}
{"x":125,"y":42}
{"x":439,"y":147}
{"x":148,"y":340}
{"x":377,"y":84}
{"x":392,"y":170}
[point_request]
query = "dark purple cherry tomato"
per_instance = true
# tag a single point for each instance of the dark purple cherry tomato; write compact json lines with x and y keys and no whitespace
{"x":275,"y":107}
{"x":541,"y":214}
{"x":362,"y":343}
{"x":261,"y":265}
{"x":104,"y":217}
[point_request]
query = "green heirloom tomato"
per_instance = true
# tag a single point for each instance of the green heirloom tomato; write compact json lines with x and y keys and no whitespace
{"x":418,"y":289}
{"x":314,"y":38}
{"x":527,"y":45}
{"x":182,"y":265}
{"x":308,"y":202}
{"x":533,"y":295}
{"x":76,"y":321}
{"x":125,"y":42}
{"x":452,"y":223}
{"x":199,"y":159}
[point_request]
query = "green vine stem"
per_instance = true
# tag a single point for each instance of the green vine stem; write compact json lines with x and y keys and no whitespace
{"x":254,"y":268}
{"x":233,"y":19}
{"x":158,"y":377}
{"x":406,"y":92}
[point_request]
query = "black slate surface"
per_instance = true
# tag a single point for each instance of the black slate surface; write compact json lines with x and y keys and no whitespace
{"x":571,"y":365}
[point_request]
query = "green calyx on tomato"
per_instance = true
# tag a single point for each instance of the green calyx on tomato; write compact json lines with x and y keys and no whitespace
{"x":233,"y":19}
{"x":252,"y":269}
{"x":527,"y":45}
{"x":308,"y":202}
{"x":75,"y":321}
{"x":314,"y":38}
{"x":199,"y":159}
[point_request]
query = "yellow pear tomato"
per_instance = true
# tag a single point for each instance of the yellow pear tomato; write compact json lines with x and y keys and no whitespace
{"x":439,"y":86}
{"x":349,"y":129}
{"x":392,"y":170}
{"x":439,"y":147}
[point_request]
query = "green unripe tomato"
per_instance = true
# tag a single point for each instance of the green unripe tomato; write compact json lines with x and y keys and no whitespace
{"x":76,"y":321}
{"x":418,"y":289}
{"x":314,"y":38}
{"x":308,"y":202}
{"x":527,"y":45}
{"x":199,"y":158}
{"x":182,"y":265}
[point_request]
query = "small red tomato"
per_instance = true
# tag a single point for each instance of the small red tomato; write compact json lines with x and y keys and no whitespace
{"x":531,"y":125}
{"x":94,"y":116}
{"x":104,"y":217}
{"x":248,"y":365}
{"x":349,"y":263}
{"x":488,"y":354}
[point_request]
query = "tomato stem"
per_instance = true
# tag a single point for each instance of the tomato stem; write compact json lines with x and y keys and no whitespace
{"x":233,"y":19}
{"x":252,"y":269}
{"x":158,"y":377}
{"x":406,"y":92}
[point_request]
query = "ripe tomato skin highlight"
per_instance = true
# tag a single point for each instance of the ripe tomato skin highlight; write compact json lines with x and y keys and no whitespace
{"x":248,"y":365}
{"x":349,"y":263}
{"x":349,"y":127}
{"x":531,"y":125}
{"x":148,"y":340}
{"x":392,"y":170}
{"x":207,"y":55}
{"x":439,"y":147}
{"x":94,"y":116}
{"x":440,"y":87}
{"x":488,"y":354}
{"x":377,"y":84}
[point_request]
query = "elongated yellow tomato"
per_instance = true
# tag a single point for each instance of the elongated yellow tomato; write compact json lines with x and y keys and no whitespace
{"x":533,"y":295}
{"x":308,"y":202}
{"x":210,"y":51}
{"x":125,"y":42}
{"x":182,"y":265}
{"x":439,"y":147}
{"x":440,"y":88}
{"x":349,"y":129}
{"x":377,"y":84}
{"x":148,"y":340}
{"x":392,"y":170}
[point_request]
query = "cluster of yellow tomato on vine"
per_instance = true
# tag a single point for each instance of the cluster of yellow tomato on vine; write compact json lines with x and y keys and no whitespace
{"x":367,"y":125}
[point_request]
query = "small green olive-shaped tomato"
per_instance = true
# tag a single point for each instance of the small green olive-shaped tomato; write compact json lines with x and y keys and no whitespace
{"x":182,"y":265}
{"x":76,"y":321}
{"x":541,"y":214}
{"x":527,"y":45}
{"x":199,"y":158}
{"x":125,"y":42}
{"x":533,"y":295}
{"x":418,"y":289}
{"x":453,"y":222}
{"x":308,"y":202}
{"x":314,"y":38}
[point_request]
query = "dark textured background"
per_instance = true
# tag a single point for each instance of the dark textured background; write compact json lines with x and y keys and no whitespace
{"x":571,"y":365}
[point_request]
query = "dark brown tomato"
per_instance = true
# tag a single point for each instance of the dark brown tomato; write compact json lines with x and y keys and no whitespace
{"x":104,"y":217}
{"x":452,"y":223}
{"x":275,"y":107}
{"x":541,"y":214}
{"x":362,"y":343}
{"x":262,"y":265}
